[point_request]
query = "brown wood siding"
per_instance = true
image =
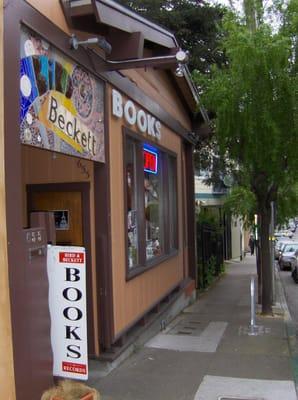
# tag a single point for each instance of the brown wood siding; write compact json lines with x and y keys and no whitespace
{"x":157,"y":84}
{"x":184,"y":212}
{"x":41,"y":167}
{"x":7,"y":390}
{"x":132,"y":298}
{"x":52,"y":10}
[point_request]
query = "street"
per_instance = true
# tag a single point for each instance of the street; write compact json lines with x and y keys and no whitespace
{"x":291,"y":289}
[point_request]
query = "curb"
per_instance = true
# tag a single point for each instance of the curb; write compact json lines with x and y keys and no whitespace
{"x":290,"y":328}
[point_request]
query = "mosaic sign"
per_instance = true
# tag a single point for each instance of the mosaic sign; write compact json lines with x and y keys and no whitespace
{"x":62,"y":105}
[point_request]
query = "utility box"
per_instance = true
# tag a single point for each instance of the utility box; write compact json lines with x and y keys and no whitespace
{"x":47,"y":220}
{"x":38,"y":326}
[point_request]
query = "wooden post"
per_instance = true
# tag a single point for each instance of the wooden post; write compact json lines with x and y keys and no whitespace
{"x":7,"y":390}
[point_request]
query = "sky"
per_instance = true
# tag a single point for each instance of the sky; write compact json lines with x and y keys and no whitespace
{"x":238,"y":6}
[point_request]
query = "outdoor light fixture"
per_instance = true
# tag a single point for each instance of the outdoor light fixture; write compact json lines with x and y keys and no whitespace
{"x":179,"y":71}
{"x":180,"y":58}
{"x":99,"y":40}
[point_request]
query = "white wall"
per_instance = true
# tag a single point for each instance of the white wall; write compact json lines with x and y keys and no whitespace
{"x":237,"y":238}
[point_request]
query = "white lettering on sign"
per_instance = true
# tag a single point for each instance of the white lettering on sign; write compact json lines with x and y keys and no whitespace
{"x":145,"y":122}
{"x":142,"y":121}
{"x":67,"y":302}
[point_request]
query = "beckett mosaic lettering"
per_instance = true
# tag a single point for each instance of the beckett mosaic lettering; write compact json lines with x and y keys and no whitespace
{"x":69,"y":124}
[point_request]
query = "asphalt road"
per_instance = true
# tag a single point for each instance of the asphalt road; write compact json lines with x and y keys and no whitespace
{"x":291,"y":290}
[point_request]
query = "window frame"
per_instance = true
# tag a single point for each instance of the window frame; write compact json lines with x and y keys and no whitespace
{"x":143,"y":264}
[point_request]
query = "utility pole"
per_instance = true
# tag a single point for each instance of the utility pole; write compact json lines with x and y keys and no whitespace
{"x":272,"y":242}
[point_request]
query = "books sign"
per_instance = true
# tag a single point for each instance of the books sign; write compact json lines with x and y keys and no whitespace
{"x":146,"y":123}
{"x":67,"y":302}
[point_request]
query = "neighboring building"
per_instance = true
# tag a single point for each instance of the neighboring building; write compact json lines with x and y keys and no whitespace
{"x":237,"y":233}
{"x":208,"y":195}
{"x":104,"y":154}
{"x":212,"y":198}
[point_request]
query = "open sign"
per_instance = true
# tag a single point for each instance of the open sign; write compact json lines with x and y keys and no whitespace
{"x":150,"y":161}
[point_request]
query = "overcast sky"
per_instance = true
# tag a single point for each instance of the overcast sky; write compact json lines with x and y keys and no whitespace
{"x":238,"y":6}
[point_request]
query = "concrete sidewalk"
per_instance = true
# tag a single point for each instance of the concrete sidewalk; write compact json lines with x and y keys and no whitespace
{"x":207,"y":352}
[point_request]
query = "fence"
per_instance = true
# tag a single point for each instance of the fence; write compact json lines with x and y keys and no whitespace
{"x":210,"y":256}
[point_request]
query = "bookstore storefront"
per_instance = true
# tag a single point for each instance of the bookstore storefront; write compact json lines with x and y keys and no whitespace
{"x":97,"y":161}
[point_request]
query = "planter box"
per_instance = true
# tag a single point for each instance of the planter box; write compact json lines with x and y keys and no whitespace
{"x":88,"y":396}
{"x":67,"y":389}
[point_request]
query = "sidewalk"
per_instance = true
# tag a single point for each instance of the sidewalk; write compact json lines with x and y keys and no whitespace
{"x":206,"y":352}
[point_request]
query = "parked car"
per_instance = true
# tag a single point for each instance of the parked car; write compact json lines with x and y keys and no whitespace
{"x":288,"y":255}
{"x":292,"y":226}
{"x":284,"y":233}
{"x":294,"y":268}
{"x":278,"y":234}
{"x":278,"y":245}
{"x":288,"y":233}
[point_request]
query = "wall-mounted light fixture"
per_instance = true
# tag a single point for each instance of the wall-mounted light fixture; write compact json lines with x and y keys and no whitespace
{"x":180,"y":58}
{"x":179,"y":71}
{"x":99,"y":40}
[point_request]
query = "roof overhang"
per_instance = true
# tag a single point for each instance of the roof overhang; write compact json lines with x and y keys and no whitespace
{"x":114,"y":22}
{"x":112,"y":14}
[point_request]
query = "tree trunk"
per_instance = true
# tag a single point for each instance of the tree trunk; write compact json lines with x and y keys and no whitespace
{"x":266,"y":267}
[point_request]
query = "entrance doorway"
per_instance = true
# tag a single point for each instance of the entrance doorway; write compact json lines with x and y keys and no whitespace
{"x":70,"y":203}
{"x":67,"y":209}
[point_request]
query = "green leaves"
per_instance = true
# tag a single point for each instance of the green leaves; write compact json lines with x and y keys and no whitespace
{"x":194,"y":23}
{"x":254,"y":98}
{"x":241,"y":202}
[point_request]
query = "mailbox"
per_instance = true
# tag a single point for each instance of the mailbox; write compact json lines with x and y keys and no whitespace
{"x":45,"y":219}
{"x":38,"y":338}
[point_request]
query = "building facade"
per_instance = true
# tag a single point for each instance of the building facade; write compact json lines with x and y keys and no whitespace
{"x":212,"y":199}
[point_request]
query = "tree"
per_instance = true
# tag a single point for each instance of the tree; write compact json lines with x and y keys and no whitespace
{"x":195,"y":24}
{"x":255,"y":100}
{"x":241,"y":202}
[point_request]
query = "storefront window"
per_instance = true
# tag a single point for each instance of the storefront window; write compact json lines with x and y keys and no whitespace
{"x":153,"y":214}
{"x":151,"y":198}
{"x":131,"y":200}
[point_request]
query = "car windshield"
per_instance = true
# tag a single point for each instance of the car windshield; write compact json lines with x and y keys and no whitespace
{"x":282,"y":245}
{"x":289,"y":248}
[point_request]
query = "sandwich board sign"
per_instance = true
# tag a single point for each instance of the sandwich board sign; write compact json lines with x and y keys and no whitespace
{"x":66,"y":267}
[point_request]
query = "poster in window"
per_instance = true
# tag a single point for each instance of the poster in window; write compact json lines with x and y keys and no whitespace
{"x":61,"y":218}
